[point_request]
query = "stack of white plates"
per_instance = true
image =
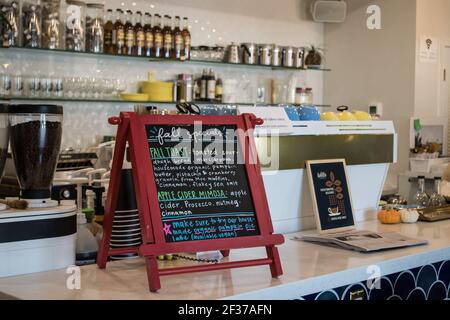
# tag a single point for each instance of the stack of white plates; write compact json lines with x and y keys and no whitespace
{"x":126,"y":232}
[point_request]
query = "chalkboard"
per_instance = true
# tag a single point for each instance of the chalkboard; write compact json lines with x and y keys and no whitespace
{"x":202,"y":187}
{"x":331,"y":195}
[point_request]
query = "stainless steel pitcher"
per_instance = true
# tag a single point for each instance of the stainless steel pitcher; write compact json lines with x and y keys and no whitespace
{"x":233,"y":54}
{"x":250,"y":53}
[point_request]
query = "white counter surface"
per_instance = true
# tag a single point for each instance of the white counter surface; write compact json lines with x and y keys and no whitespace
{"x":308,"y":268}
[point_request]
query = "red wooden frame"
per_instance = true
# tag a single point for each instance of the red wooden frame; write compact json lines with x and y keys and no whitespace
{"x":131,"y":129}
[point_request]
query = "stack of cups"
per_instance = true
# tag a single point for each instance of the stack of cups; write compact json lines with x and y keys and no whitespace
{"x":126,"y":231}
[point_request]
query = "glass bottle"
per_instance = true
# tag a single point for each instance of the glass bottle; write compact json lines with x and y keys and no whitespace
{"x":177,"y":52}
{"x":140,"y":35}
{"x":211,"y":86}
{"x":219,"y":90}
{"x":148,"y":31}
{"x":196,"y":89}
{"x":157,"y":37}
{"x":130,"y":35}
{"x":167,"y":37}
{"x":436,"y":198}
{"x":108,"y":33}
{"x":186,"y":40}
{"x":119,"y":33}
{"x":421,"y":197}
{"x":203,"y":85}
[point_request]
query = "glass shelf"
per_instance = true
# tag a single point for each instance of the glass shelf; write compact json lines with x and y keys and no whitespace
{"x":93,"y":100}
{"x":161,"y":60}
{"x":100,"y":100}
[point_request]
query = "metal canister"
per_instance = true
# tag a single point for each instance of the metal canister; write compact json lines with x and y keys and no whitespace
{"x":233,"y":54}
{"x":299,"y":57}
{"x":276,"y":56}
{"x":265,"y":54}
{"x":288,"y":56}
{"x":184,"y":88}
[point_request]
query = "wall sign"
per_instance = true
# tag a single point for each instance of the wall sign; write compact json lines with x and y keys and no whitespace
{"x":198,"y":187}
{"x":331,"y":195}
{"x":428,"y":49}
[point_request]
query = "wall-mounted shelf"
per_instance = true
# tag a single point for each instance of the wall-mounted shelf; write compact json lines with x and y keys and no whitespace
{"x":59,"y":52}
{"x":120,"y":101}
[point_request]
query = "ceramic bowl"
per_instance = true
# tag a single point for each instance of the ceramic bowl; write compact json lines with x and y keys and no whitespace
{"x":309,"y":114}
{"x":346,"y":116}
{"x":329,"y":116}
{"x":362,"y":116}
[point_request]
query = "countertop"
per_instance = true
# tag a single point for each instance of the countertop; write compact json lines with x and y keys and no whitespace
{"x":308,"y":268}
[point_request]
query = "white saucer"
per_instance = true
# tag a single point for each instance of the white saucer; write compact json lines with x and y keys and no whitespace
{"x":41,"y":203}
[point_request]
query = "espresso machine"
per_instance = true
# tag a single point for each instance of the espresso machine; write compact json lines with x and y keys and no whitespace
{"x":43,"y":236}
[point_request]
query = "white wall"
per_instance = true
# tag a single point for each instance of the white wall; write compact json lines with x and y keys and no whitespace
{"x":433,"y":20}
{"x":262,"y":21}
{"x":375,"y":65}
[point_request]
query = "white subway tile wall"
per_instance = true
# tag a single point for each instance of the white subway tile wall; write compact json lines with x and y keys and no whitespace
{"x":212,"y":22}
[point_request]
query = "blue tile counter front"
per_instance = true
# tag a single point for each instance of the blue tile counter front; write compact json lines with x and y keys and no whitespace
{"x":430,"y":282}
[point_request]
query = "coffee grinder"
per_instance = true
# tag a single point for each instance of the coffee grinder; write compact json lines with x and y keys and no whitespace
{"x":4,"y":141}
{"x":43,"y":236}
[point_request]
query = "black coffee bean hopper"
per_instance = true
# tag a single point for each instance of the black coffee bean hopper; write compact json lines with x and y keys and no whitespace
{"x":35,"y":138}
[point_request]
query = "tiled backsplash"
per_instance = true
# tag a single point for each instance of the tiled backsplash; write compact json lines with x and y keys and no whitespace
{"x":85,"y":122}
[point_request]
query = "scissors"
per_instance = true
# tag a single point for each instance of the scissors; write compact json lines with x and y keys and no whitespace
{"x":188,"y":108}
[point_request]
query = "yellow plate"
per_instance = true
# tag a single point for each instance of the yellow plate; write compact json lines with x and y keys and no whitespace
{"x":134,"y":96}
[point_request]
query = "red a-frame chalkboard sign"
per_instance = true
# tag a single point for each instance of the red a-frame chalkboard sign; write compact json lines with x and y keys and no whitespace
{"x":188,"y":200}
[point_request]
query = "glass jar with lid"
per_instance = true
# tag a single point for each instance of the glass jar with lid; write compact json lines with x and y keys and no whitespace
{"x":51,"y":25}
{"x":10,"y":25}
{"x":309,"y":96}
{"x":300,"y":97}
{"x":31,"y":23}
{"x":75,"y":25}
{"x":94,"y":27}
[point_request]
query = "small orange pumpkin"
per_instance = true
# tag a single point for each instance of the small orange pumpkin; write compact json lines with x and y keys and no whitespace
{"x":389,"y":216}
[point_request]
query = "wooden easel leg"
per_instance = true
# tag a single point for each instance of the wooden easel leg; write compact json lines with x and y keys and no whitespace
{"x":113,"y":191}
{"x":275,"y":266}
{"x":154,"y":282}
{"x":103,"y":252}
{"x":225,"y":253}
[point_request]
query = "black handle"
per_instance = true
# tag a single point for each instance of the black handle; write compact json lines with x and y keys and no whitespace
{"x":193,"y":108}
{"x":181,"y":107}
{"x":246,"y":49}
{"x":342,"y":108}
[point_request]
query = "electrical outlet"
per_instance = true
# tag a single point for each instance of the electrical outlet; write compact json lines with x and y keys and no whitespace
{"x":376,"y":108}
